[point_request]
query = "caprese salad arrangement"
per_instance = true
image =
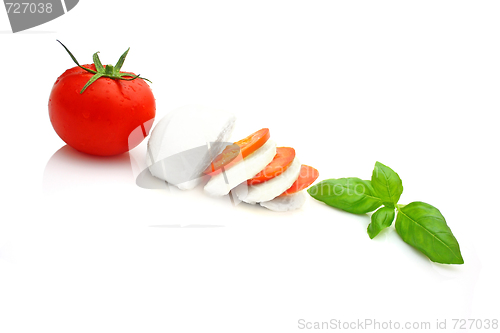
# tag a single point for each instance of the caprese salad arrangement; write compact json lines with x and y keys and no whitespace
{"x":102,"y":110}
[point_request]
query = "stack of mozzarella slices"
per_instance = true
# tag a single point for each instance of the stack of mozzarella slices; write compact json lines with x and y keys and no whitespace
{"x":253,"y":169}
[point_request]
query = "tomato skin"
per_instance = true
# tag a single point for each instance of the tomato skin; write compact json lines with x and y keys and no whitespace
{"x":307,"y":176}
{"x":100,"y":121}
{"x":282,"y":160}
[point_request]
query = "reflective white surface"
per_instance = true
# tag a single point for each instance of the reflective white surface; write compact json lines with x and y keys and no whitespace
{"x":413,"y":85}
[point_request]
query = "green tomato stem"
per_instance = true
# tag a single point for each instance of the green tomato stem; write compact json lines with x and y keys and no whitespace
{"x":110,"y":71}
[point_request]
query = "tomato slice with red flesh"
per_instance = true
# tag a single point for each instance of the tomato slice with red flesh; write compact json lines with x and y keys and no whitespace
{"x":228,"y":155}
{"x":244,"y":147}
{"x":282,"y":160}
{"x":307,"y":176}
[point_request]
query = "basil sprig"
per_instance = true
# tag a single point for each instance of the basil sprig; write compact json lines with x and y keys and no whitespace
{"x":419,"y":224}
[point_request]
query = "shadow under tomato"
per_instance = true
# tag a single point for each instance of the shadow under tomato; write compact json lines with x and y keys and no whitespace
{"x":69,"y":168}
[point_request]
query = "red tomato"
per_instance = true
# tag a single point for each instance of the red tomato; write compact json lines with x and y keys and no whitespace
{"x":307,"y":176}
{"x":100,"y":120}
{"x":282,"y":160}
{"x":241,"y":148}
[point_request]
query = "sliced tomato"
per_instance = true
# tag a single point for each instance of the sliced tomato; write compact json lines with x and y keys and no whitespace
{"x":282,"y":160}
{"x":227,"y":156}
{"x":246,"y":146}
{"x":253,"y":142}
{"x":307,"y":176}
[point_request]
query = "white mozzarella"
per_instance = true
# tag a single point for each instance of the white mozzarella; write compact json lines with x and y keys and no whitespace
{"x":272,"y":188}
{"x":286,"y":203}
{"x":223,"y":182}
{"x":185,"y":141}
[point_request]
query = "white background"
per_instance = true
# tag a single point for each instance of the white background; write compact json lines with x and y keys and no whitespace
{"x":412,"y":84}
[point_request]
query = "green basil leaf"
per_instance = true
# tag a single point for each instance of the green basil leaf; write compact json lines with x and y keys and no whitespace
{"x":381,"y":219}
{"x":423,"y":227}
{"x":387,"y":184}
{"x":353,"y":195}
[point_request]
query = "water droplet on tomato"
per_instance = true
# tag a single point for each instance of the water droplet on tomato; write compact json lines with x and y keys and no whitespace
{"x":86,"y":114}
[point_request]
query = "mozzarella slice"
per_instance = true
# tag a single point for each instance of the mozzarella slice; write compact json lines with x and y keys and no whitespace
{"x":272,"y":188}
{"x":223,"y":182}
{"x":286,"y":203}
{"x":185,"y":141}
